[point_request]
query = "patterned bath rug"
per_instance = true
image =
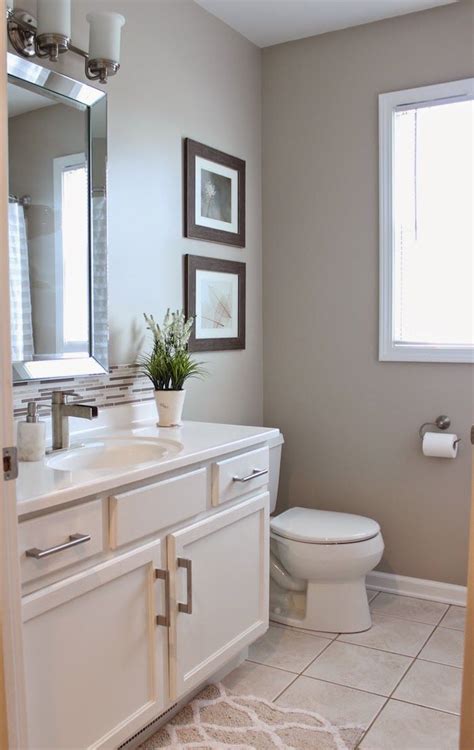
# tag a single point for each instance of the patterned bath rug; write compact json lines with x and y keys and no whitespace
{"x":219,"y":720}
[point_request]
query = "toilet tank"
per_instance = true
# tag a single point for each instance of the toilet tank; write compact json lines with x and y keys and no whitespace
{"x":275,"y":445}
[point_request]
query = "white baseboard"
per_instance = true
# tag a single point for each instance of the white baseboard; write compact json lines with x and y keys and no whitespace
{"x":436,"y":591}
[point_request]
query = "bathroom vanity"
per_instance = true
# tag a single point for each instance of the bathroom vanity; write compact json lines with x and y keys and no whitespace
{"x":143,"y":551}
{"x":140,"y":581}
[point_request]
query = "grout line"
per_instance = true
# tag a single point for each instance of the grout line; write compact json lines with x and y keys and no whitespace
{"x":366,"y":731}
{"x":428,"y":708}
{"x":439,"y":663}
{"x":349,"y":687}
{"x":426,"y":642}
{"x":418,"y":598}
{"x":270,"y":666}
{"x":383,"y":650}
{"x":374,"y":648}
{"x":298,"y":674}
{"x":447,"y":627}
{"x":407,"y":670}
{"x":315,"y":658}
{"x":286,"y":688}
{"x":407,"y":619}
{"x":386,"y":702}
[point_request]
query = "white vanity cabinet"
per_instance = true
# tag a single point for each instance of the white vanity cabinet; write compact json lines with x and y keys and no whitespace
{"x":219,"y":591}
{"x":96,"y":661}
{"x":117,"y":638}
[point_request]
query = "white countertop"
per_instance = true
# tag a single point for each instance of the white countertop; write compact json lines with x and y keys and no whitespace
{"x":40,"y":487}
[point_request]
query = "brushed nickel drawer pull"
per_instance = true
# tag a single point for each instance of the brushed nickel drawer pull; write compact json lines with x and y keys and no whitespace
{"x":74,"y":540}
{"x":164,"y":575}
{"x":255,"y":473}
{"x":188,"y":565}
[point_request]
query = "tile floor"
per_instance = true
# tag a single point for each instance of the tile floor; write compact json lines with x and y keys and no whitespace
{"x":401,"y":680}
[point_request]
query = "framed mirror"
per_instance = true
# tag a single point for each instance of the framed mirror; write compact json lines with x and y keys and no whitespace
{"x":57,"y":140}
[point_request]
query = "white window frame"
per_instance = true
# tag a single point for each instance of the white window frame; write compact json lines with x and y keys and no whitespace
{"x":389,"y":350}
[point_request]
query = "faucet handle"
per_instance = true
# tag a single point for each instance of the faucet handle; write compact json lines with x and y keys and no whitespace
{"x":59,"y":397}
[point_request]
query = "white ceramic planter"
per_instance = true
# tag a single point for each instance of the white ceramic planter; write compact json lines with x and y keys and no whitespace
{"x":169,"y":405}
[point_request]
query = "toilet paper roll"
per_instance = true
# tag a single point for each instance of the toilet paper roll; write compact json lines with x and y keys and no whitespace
{"x":440,"y":445}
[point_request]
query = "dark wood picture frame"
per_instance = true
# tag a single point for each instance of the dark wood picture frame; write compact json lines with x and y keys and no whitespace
{"x":193,"y":149}
{"x":195,"y":263}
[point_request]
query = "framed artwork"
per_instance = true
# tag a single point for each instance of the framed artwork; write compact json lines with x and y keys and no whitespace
{"x":214,"y":195}
{"x":215,"y":295}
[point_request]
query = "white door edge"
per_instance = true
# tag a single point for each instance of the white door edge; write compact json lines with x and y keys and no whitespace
{"x":10,"y":604}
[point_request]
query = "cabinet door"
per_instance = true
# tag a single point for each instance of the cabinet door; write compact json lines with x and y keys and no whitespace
{"x":95,"y":656}
{"x":219,"y":590}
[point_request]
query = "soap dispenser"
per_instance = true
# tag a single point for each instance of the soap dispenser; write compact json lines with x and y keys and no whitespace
{"x":31,"y":437}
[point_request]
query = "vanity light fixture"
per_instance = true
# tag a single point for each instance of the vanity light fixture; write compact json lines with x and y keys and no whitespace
{"x":49,"y":35}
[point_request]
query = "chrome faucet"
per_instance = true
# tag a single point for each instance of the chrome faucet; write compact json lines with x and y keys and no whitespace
{"x":60,"y":413}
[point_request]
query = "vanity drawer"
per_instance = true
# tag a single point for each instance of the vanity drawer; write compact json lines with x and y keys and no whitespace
{"x":59,"y":539}
{"x":146,"y":510}
{"x":235,"y":476}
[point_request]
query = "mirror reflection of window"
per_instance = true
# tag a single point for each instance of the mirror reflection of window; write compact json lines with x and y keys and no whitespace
{"x":72,"y":255}
{"x":48,"y":160}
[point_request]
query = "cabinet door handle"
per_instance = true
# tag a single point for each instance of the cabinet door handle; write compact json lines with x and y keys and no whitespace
{"x":164,"y":575}
{"x":74,"y":540}
{"x":255,"y":473}
{"x":188,"y":565}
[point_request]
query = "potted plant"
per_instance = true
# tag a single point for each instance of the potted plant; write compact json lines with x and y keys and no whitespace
{"x":169,"y":365}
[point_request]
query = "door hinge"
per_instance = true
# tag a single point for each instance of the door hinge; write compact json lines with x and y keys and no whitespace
{"x":10,"y":464}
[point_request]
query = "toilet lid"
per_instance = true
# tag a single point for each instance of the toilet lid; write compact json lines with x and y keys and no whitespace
{"x":323,"y":526}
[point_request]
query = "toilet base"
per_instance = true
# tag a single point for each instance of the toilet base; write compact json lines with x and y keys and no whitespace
{"x":333,"y":607}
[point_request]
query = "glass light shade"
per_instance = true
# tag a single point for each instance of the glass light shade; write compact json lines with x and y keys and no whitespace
{"x":54,"y":17}
{"x":104,"y":39}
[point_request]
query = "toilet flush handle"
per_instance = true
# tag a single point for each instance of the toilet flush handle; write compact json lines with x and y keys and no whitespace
{"x":255,"y":473}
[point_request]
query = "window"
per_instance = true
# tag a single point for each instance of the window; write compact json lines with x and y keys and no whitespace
{"x":426,"y":223}
{"x":72,"y":257}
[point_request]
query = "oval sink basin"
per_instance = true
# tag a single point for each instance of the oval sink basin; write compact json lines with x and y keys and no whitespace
{"x":113,"y":453}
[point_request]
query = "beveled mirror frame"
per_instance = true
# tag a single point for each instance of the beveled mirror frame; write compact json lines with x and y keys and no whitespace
{"x":31,"y":76}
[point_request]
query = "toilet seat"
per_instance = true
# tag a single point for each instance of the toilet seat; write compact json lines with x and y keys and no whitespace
{"x":323,"y":526}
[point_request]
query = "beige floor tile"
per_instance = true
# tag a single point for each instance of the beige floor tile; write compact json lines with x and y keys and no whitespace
{"x":445,"y":647}
{"x":371,"y":594}
{"x":338,"y":704}
{"x":391,"y":634}
{"x":256,"y":679}
{"x":402,"y":726}
{"x":360,"y":667}
{"x":432,"y":685}
{"x":409,"y":608}
{"x":455,"y":618}
{"x":286,"y":649}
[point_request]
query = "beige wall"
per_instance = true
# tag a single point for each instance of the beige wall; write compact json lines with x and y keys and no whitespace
{"x":351,"y":422}
{"x":184,"y":73}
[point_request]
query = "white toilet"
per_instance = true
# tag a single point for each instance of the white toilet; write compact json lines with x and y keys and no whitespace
{"x":319,"y":560}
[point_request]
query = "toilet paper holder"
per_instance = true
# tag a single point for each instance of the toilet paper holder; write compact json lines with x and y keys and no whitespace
{"x":442,"y":423}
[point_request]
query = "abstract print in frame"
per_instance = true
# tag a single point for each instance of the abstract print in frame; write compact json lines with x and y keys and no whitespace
{"x":214,"y":195}
{"x":215,"y":296}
